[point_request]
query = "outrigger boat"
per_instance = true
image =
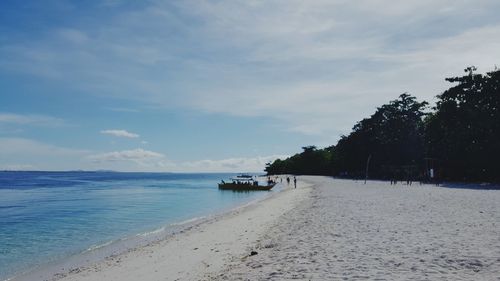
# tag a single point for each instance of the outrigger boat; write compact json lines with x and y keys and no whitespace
{"x":245,"y":183}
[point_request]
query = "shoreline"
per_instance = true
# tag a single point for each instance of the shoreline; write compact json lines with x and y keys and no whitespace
{"x":115,"y":251}
{"x":328,"y":229}
{"x":100,"y":252}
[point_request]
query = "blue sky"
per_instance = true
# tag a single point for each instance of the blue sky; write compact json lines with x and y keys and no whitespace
{"x":217,"y":85}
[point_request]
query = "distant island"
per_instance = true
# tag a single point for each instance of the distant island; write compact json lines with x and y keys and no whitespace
{"x":458,"y":139}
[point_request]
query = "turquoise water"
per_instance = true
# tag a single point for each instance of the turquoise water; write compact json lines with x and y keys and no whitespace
{"x":49,"y":216}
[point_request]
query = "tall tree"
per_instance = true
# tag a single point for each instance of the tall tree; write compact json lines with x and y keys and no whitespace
{"x":464,"y":131}
{"x":393,"y":136}
{"x":461,"y":136}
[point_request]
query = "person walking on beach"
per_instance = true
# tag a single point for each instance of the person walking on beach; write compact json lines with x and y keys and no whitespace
{"x":288,"y":180}
{"x":295,"y":181}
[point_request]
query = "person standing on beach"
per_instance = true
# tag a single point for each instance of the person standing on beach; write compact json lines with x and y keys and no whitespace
{"x":295,"y":181}
{"x":288,"y":180}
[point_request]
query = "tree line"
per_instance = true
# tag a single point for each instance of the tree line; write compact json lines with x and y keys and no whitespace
{"x":458,"y":139}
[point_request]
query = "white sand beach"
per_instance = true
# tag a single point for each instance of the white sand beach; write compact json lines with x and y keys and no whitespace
{"x":330,"y":229}
{"x":199,"y":251}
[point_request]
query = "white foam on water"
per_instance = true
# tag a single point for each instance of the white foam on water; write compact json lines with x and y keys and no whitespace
{"x":99,"y":246}
{"x":99,"y":252}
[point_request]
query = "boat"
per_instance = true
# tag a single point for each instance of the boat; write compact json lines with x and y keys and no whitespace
{"x":245,"y":183}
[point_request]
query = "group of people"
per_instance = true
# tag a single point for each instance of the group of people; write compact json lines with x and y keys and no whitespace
{"x":271,"y":180}
{"x":294,"y":181}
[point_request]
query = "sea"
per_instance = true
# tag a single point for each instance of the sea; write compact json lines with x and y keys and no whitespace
{"x":50,"y":218}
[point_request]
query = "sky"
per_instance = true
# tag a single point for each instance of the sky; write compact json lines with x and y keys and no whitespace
{"x":211,"y":86}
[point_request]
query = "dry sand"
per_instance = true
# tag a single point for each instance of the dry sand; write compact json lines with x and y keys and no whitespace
{"x":330,"y":230}
{"x":346,"y":230}
{"x":199,"y":251}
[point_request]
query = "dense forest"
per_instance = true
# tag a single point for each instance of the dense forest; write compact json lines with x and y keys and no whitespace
{"x":456,"y":140}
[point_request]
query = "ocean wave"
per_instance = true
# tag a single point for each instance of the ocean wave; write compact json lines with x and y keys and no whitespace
{"x":98,"y":246}
{"x":149,"y":233}
{"x":12,"y":206}
{"x":188,"y":221}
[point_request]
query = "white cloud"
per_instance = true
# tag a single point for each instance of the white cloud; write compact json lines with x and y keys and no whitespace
{"x":30,"y":119}
{"x":22,"y":146}
{"x":315,"y":66}
{"x":73,"y":36}
{"x":17,"y":167}
{"x":138,"y":155}
{"x":27,"y":154}
{"x":123,"y":109}
{"x":22,"y":154}
{"x":241,"y":164}
{"x":111,"y":3}
{"x":120,"y":133}
{"x":145,"y":160}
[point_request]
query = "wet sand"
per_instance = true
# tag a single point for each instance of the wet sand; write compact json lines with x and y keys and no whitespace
{"x":200,"y":251}
{"x":330,"y":229}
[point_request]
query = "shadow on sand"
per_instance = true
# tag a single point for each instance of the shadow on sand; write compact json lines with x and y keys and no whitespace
{"x":477,"y":186}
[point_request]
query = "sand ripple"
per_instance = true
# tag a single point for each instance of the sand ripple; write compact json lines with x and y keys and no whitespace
{"x":349,"y":231}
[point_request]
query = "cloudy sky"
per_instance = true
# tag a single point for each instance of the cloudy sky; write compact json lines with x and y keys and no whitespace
{"x":222,"y":85}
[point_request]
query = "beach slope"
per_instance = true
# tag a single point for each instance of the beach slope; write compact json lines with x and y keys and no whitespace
{"x":346,"y":230}
{"x":200,"y":251}
{"x":329,"y":229}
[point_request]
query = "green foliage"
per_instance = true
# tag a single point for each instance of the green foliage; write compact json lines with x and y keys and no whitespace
{"x":462,"y":135}
{"x":311,"y":161}
{"x":393,"y":136}
{"x":464,"y":131}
